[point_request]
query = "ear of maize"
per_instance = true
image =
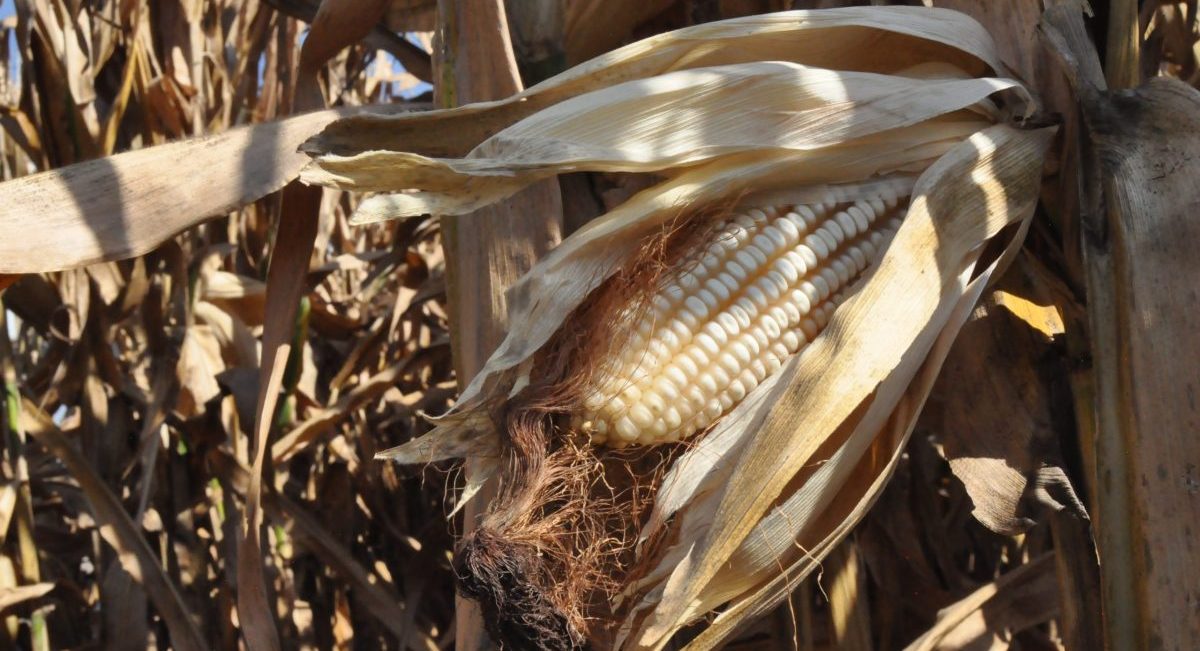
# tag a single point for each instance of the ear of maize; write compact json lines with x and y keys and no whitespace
{"x":791,"y":460}
{"x":743,"y":303}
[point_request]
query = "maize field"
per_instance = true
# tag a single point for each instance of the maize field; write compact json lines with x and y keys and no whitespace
{"x":599,"y":325}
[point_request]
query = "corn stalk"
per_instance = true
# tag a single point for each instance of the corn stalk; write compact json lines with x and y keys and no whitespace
{"x":486,"y":252}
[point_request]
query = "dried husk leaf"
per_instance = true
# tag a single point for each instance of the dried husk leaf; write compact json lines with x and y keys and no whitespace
{"x":874,"y":39}
{"x":856,"y":373}
{"x":672,"y":120}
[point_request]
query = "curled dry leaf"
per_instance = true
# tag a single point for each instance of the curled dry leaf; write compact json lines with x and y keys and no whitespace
{"x":997,"y":411}
{"x":781,"y":299}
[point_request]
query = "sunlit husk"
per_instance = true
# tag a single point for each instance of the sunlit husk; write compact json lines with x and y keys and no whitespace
{"x":876,"y":39}
{"x":418,"y":152}
{"x":661,"y":123}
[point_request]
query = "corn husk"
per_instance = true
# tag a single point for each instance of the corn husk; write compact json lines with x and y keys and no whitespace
{"x":755,"y":504}
{"x":835,"y":419}
{"x":413,"y":152}
{"x":667,"y":122}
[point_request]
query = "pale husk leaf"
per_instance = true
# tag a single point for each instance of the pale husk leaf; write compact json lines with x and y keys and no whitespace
{"x":672,"y":120}
{"x":865,"y":39}
{"x":855,"y":373}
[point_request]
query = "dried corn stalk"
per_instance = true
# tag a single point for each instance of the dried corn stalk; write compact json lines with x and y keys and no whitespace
{"x":781,"y":300}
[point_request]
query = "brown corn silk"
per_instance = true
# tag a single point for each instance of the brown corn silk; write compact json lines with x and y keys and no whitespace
{"x":621,"y":548}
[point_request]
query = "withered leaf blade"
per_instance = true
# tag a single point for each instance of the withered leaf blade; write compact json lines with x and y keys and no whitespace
{"x":683,"y":118}
{"x":119,"y":531}
{"x":999,"y":422}
{"x":1024,"y":597}
{"x":128,"y":204}
{"x":286,"y":282}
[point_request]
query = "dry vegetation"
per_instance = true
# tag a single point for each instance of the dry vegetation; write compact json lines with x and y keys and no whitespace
{"x":132,"y":385}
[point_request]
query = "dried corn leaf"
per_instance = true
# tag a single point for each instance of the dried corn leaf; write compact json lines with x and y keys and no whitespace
{"x":286,"y":283}
{"x":1024,"y":597}
{"x":126,"y":205}
{"x":118,"y":530}
{"x":999,"y":436}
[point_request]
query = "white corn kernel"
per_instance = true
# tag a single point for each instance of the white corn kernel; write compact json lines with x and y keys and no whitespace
{"x":746,"y":301}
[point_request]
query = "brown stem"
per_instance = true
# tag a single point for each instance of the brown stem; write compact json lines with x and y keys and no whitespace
{"x":490,"y":249}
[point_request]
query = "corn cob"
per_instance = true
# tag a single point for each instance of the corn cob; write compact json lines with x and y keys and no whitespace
{"x":747,"y":300}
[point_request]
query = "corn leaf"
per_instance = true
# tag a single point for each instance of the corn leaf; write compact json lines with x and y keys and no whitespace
{"x":128,"y":204}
